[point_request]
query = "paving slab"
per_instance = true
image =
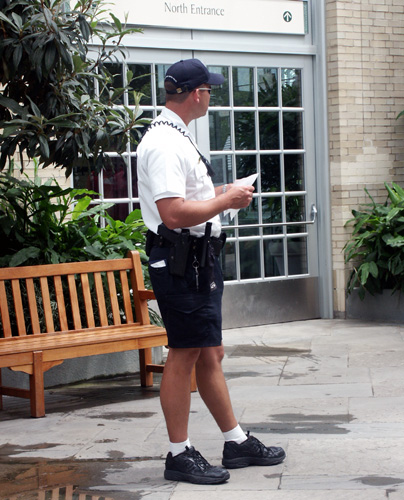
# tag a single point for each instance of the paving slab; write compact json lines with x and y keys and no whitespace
{"x":331,"y":392}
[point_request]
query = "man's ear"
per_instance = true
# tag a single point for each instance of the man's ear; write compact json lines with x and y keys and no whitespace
{"x":196,"y":95}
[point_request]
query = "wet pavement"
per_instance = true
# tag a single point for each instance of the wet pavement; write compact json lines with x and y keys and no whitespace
{"x":331,"y":392}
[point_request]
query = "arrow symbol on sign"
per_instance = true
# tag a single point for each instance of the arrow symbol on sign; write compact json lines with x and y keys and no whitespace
{"x":287,"y":16}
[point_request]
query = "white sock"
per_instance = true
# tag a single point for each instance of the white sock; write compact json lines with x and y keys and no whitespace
{"x":177,"y":448}
{"x":236,"y":435}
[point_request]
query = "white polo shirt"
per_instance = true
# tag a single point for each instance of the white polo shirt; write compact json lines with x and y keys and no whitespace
{"x":169,"y":166}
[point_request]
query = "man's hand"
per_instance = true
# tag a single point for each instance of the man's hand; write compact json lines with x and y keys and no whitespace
{"x":239,"y":196}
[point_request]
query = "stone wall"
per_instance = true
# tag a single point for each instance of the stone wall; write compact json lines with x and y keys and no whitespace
{"x":365,"y":57}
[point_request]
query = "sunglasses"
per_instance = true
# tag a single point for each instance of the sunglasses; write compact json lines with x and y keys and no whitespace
{"x":200,"y":88}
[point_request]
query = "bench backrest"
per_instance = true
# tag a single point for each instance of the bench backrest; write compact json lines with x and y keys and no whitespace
{"x":72,"y":296}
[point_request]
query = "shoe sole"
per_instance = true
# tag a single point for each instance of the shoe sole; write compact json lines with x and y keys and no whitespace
{"x":239,"y":463}
{"x":173,"y":475}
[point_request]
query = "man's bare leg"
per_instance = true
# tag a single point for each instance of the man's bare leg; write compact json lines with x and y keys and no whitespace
{"x":213,"y":388}
{"x":175,"y":391}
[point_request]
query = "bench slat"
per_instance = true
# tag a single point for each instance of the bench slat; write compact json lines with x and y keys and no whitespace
{"x":47,"y":309}
{"x":136,"y":276}
{"x":87,"y":300}
{"x":74,"y":301}
{"x":5,"y":315}
{"x":60,"y":299}
{"x":19,"y":310}
{"x":90,"y":337}
{"x":113,"y":298}
{"x":32,"y":305}
{"x":126,"y":297}
{"x":99,"y":290}
{"x":65,"y":268}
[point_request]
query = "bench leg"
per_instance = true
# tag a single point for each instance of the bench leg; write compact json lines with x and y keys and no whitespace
{"x":145,"y":358}
{"x":36,"y":387}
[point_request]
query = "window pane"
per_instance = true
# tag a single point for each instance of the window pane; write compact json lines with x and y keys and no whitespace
{"x":161,"y":70}
{"x":119,"y":211}
{"x":297,"y":256}
{"x":246,"y":165}
{"x":267,"y":87}
{"x":243,"y":86}
{"x":294,"y":172}
{"x":219,"y":130}
{"x":141,"y":82}
{"x":269,"y":130}
{"x":274,"y":258}
{"x":250,"y":259}
{"x":116,"y":179}
{"x":291,"y":88}
{"x":222,"y":166}
{"x":249,"y":215}
{"x":133,"y":167}
{"x":220,"y":95}
{"x":244,"y":130}
{"x":117,"y":81}
{"x":228,"y":261}
{"x":270,"y":173}
{"x":296,"y":212}
{"x":84,"y":179}
{"x":292,"y":131}
{"x":271,"y":213}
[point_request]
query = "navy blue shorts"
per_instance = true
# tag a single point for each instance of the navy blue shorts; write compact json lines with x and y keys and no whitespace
{"x":192,"y":317}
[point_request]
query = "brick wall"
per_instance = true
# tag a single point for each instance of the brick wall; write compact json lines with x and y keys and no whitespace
{"x":365,"y":57}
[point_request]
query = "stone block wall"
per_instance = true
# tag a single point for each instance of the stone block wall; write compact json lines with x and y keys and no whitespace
{"x":365,"y":70}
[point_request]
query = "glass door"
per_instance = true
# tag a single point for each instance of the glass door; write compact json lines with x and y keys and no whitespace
{"x":260,"y":122}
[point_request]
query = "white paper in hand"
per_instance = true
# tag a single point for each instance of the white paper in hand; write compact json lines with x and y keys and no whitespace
{"x":245,"y":181}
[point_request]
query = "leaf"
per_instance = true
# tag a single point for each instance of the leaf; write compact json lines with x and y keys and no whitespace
{"x":17,"y":55}
{"x":44,"y":146}
{"x":50,"y":56}
{"x":394,"y":241}
{"x":392,"y":194}
{"x":23,"y":255}
{"x":80,"y":207}
{"x":13,"y":105}
{"x":34,"y":108}
{"x":117,"y":22}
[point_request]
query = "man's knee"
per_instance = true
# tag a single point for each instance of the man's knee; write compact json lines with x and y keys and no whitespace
{"x":211,"y":355}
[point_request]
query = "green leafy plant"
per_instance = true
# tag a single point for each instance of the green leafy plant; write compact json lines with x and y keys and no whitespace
{"x":45,"y":223}
{"x":376,"y":246}
{"x":48,"y":106}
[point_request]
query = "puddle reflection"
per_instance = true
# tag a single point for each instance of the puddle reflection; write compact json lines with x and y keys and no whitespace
{"x":75,"y":480}
{"x":68,"y":492}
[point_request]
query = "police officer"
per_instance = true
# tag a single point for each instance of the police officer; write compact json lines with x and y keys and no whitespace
{"x":181,"y":207}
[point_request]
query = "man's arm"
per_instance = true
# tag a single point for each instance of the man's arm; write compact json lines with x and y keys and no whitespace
{"x":177,"y":212}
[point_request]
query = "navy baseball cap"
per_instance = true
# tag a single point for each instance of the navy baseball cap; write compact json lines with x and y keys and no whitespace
{"x":188,"y":74}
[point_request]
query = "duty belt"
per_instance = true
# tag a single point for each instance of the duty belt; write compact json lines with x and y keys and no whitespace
{"x":157,"y":240}
{"x":182,"y":244}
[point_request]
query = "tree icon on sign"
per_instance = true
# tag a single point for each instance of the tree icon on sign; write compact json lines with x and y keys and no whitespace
{"x":287,"y":16}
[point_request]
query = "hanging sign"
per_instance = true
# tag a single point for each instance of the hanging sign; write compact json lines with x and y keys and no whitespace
{"x":258,"y":16}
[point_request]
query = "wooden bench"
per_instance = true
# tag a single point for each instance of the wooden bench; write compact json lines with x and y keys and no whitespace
{"x":50,"y":313}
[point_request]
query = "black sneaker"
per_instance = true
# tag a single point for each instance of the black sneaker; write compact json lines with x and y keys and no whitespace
{"x":251,"y":452}
{"x":190,"y":466}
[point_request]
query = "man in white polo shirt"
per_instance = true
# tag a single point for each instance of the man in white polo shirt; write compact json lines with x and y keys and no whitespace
{"x":181,"y":208}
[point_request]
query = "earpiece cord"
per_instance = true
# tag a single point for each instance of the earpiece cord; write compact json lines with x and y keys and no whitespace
{"x":209,"y":168}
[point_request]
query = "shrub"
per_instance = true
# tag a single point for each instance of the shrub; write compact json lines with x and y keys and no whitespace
{"x":376,"y":246}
